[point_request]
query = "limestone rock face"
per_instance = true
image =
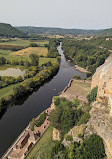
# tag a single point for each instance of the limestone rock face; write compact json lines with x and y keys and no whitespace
{"x":101,"y":123}
{"x":76,"y":130}
{"x":56,"y":134}
{"x":103,"y":79}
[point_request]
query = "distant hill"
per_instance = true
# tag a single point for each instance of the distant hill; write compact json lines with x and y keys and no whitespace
{"x":8,"y":30}
{"x":107,"y":32}
{"x":48,"y":30}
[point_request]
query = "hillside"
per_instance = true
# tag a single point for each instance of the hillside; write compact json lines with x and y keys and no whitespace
{"x":8,"y":30}
{"x":107,"y":32}
{"x":48,"y":30}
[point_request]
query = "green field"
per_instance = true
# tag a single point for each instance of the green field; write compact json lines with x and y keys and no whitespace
{"x":4,"y":67}
{"x":5,"y":53}
{"x":31,"y":50}
{"x":44,"y":60}
{"x":20,"y":42}
{"x":4,"y":92}
{"x":22,"y":55}
{"x":41,"y":149}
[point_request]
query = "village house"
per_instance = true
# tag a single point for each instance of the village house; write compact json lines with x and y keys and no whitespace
{"x":29,"y":139}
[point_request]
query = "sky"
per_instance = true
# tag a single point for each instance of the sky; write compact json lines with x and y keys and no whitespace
{"x":81,"y":14}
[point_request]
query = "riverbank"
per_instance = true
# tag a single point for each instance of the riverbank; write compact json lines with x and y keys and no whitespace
{"x":19,"y":116}
{"x":78,"y":68}
{"x":81,"y":69}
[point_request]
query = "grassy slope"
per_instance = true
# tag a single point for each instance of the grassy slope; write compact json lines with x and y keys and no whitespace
{"x":8,"y":30}
{"x":42,"y":147}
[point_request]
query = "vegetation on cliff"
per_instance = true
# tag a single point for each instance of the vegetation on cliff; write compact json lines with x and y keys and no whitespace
{"x":67,"y":114}
{"x":92,"y":95}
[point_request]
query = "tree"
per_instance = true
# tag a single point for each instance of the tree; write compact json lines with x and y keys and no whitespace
{"x":92,"y":95}
{"x":90,"y":148}
{"x":19,"y":91}
{"x":34,"y":59}
{"x":33,"y":45}
{"x":27,"y":63}
{"x":2,"y":60}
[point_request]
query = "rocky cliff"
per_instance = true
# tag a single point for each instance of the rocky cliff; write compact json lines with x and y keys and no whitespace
{"x":101,"y":112}
{"x":101,"y":123}
{"x":103,"y":79}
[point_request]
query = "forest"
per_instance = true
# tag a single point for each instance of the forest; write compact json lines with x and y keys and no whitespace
{"x":88,"y":54}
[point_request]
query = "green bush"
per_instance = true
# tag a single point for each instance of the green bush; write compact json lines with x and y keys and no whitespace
{"x":90,"y":148}
{"x":56,"y":101}
{"x":84,"y":118}
{"x":64,"y":117}
{"x":93,"y":94}
{"x":76,"y":77}
{"x":33,"y":45}
{"x":75,"y":102}
{"x":80,"y":135}
{"x":69,"y":138}
{"x":41,"y":119}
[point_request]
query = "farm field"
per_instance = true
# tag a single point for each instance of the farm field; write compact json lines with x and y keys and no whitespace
{"x":23,"y":55}
{"x":42,"y":147}
{"x":21,"y":42}
{"x":35,"y":50}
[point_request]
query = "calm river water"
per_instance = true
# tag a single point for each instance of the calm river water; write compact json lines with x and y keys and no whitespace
{"x":16,"y":118}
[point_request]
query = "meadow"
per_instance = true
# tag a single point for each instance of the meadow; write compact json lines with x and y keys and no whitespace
{"x":22,"y":42}
{"x":23,"y":54}
{"x":35,"y":50}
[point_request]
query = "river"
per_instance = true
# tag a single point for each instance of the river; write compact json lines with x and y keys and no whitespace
{"x":17,"y":117}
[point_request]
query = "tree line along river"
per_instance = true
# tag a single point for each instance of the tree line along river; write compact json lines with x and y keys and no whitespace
{"x":17,"y":117}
